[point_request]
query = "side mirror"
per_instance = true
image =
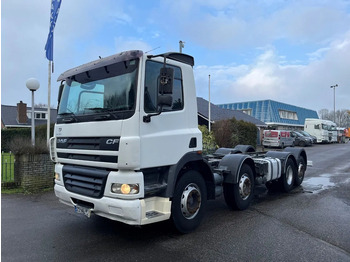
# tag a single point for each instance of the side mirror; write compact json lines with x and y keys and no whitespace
{"x":166,"y":77}
{"x":165,"y":100}
{"x":60,"y":90}
{"x":165,"y":91}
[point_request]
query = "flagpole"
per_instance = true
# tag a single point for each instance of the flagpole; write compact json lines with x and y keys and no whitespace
{"x":55,"y":8}
{"x":49,"y":104}
{"x":209,"y":115}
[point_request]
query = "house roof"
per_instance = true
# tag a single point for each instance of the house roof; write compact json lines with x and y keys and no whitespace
{"x":270,"y":111}
{"x":9,"y":116}
{"x":218,"y":113}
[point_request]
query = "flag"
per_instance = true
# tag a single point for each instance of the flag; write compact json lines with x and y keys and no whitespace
{"x":55,"y":8}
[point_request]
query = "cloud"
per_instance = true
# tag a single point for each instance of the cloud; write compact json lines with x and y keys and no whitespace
{"x":240,"y":24}
{"x":261,"y":38}
{"x":124,"y":44}
{"x":271,"y":77}
{"x":79,"y":37}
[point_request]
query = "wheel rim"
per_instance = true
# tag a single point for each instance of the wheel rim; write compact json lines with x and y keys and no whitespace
{"x":301,"y":171}
{"x":245,"y":187}
{"x":190,"y":201}
{"x":289,"y":175}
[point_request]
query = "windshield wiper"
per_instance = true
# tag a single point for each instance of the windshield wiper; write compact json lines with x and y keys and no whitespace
{"x":103,"y":109}
{"x":69,"y":119}
{"x":109,"y":112}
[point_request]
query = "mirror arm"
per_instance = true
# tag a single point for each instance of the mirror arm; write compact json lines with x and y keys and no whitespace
{"x":147,"y":118}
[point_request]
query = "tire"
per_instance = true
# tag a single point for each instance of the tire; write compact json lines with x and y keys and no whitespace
{"x":282,"y":145}
{"x":302,"y":144}
{"x":299,"y":177}
{"x":287,"y":179}
{"x":189,"y":202}
{"x":239,"y":196}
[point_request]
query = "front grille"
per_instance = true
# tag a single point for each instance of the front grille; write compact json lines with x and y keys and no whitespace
{"x":99,"y":158}
{"x":86,"y":181}
{"x":89,"y":143}
{"x":66,"y":145}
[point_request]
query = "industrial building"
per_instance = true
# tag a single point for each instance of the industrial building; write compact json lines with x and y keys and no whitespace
{"x":275,"y":115}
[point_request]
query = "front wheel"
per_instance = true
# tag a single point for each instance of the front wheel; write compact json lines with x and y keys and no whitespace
{"x":287,"y":178}
{"x":239,"y":196}
{"x":189,"y":202}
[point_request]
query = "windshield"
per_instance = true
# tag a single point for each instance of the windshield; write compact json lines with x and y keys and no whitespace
{"x":107,"y":89}
{"x":325,"y":127}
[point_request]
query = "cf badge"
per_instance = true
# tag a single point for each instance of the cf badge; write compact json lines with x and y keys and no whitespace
{"x":112,"y":141}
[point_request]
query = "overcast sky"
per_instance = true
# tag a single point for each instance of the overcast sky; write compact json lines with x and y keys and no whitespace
{"x":288,"y":51}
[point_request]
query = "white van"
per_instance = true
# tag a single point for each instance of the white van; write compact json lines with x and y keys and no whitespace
{"x":277,"y":138}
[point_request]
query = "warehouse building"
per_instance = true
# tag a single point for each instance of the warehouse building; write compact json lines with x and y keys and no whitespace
{"x":275,"y":115}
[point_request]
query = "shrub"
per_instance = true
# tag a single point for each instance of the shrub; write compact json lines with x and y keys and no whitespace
{"x":209,"y":144}
{"x":223,"y":131}
{"x":23,"y":145}
{"x":7,"y":135}
{"x":229,"y":133}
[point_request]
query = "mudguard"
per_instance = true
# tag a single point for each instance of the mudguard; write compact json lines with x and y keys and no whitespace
{"x":298,"y":153}
{"x":226,"y":151}
{"x":194,"y":161}
{"x":232,"y":163}
{"x":245,"y":148}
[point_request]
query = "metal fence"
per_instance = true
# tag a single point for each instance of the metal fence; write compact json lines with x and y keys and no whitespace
{"x":7,"y":168}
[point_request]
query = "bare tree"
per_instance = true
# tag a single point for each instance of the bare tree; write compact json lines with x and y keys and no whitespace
{"x":342,"y":117}
{"x":323,"y":113}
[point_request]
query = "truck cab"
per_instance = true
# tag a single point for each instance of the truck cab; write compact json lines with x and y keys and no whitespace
{"x":113,"y":133}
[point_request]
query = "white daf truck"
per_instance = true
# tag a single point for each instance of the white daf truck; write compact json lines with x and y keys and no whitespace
{"x":127,"y":147}
{"x":324,"y":130}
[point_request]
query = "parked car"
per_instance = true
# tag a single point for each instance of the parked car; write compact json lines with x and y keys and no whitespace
{"x":277,"y":138}
{"x":314,"y":139}
{"x":301,"y":140}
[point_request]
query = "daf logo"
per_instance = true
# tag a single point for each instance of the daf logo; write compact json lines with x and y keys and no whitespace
{"x":112,"y":141}
{"x":61,"y":140}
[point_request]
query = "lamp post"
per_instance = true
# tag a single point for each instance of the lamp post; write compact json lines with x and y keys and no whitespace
{"x":336,"y":85}
{"x":209,"y":111}
{"x":33,"y":85}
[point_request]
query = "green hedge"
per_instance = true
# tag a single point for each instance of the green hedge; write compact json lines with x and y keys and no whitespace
{"x":208,"y":140}
{"x":8,"y":135}
{"x":232,"y":132}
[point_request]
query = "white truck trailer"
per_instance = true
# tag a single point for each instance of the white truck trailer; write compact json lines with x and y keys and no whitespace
{"x":127,"y":147}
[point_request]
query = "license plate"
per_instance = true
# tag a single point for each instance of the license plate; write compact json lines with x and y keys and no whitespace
{"x":83,"y":210}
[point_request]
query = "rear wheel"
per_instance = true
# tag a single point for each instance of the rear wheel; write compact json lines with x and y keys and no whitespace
{"x":189,"y":202}
{"x":239,"y":196}
{"x":300,"y":173}
{"x":288,"y":177}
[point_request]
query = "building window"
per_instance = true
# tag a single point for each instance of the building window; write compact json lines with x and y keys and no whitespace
{"x":288,"y":115}
{"x":247,"y":111}
{"x":37,"y":115}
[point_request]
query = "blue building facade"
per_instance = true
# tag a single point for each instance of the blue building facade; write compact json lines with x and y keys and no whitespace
{"x":273,"y":113}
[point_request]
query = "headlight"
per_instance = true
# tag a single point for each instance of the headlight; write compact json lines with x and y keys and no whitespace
{"x":125,"y":189}
{"x":57,"y":177}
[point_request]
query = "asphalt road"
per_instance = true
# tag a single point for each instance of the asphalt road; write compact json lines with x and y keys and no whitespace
{"x":312,"y":223}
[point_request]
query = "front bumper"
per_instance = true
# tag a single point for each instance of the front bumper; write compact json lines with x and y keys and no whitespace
{"x":128,"y":211}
